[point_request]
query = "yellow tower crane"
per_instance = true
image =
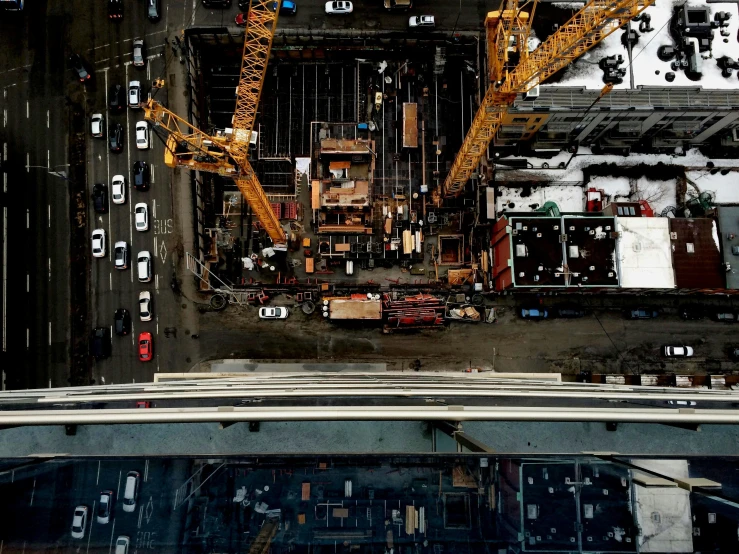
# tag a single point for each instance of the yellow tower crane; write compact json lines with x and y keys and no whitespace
{"x":514,"y":70}
{"x":227,"y":154}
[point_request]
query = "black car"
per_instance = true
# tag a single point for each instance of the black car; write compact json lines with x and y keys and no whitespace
{"x":641,"y":313}
{"x":100,"y":198}
{"x":734,"y":353}
{"x":116,"y":99}
{"x":80,"y":68}
{"x":570,"y":312}
{"x":122,"y":320}
{"x":154,"y":10}
{"x":141,"y":175}
{"x":115,"y":137}
{"x":100,"y":345}
{"x":691,"y":312}
{"x":115,"y":9}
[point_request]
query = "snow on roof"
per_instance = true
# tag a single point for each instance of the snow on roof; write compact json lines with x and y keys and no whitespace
{"x":528,"y":198}
{"x":585,"y":71}
{"x":644,"y":253}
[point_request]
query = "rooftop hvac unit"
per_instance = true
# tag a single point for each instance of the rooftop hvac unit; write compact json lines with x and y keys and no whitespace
{"x":540,"y":268}
{"x":592,"y":268}
{"x":591,"y":232}
{"x":538,"y":235}
{"x":514,"y":232}
{"x":572,"y":227}
{"x":522,"y":274}
{"x":608,"y":227}
{"x":525,"y":228}
{"x":573,"y":251}
{"x":610,"y":273}
{"x":673,"y":235}
{"x":556,"y":227}
{"x":521,"y":251}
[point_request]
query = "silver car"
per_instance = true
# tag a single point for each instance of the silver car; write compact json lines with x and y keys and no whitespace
{"x":138,"y":53}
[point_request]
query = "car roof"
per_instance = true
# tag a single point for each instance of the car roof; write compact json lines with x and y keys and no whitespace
{"x":140,"y":205}
{"x":120,"y":244}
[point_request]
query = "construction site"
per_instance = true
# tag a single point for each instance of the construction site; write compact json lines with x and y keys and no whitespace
{"x":410,"y":178}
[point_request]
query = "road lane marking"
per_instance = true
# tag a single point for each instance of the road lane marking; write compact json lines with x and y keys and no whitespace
{"x":157,"y":363}
{"x":28,"y":337}
{"x":28,"y":109}
{"x":155,"y":244}
{"x":92,"y":522}
{"x":49,"y":333}
{"x":28,"y":282}
{"x":154,"y":208}
{"x":28,"y":218}
{"x":28,"y":163}
{"x":101,"y":46}
{"x":97,"y":479}
{"x":48,"y":160}
{"x":156,"y":282}
{"x":153,"y":175}
{"x":112,"y":534}
{"x":50,"y":270}
{"x":141,"y":515}
{"x":5,"y":278}
{"x":157,"y":324}
{"x":146,"y":472}
{"x":5,"y":117}
{"x":111,"y":280}
{"x":118,"y":490}
{"x":33,"y":491}
{"x":47,"y":119}
{"x":49,"y":216}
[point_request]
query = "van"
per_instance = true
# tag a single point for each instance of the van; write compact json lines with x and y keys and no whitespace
{"x":121,"y":544}
{"x":154,"y":11}
{"x":131,"y":492}
{"x":144,"y":266}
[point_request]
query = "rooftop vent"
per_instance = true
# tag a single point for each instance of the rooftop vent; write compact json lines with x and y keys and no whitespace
{"x":536,"y":277}
{"x":572,"y":227}
{"x":538,"y":235}
{"x":592,"y":268}
{"x":556,"y":227}
{"x":522,"y":274}
{"x":610,"y":273}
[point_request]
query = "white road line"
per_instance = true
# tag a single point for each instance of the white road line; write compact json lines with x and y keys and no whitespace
{"x":33,"y":491}
{"x":92,"y":522}
{"x":28,"y":218}
{"x":156,"y":282}
{"x":146,"y":471}
{"x":101,"y":46}
{"x":155,"y":246}
{"x":50,"y":270}
{"x":49,"y":216}
{"x":5,"y":278}
{"x":5,"y":182}
{"x":28,"y":163}
{"x":5,"y":117}
{"x":28,"y":337}
{"x":111,"y":280}
{"x":48,"y":160}
{"x":97,"y":479}
{"x":141,"y":515}
{"x":49,"y":383}
{"x":28,"y":109}
{"x":118,"y":490}
{"x":107,"y":162}
{"x":112,"y":534}
{"x":148,"y":70}
{"x":153,"y":174}
{"x":28,"y":282}
{"x":157,"y":363}
{"x":47,"y":119}
{"x":157,"y":325}
{"x":49,"y":333}
{"x":154,"y":208}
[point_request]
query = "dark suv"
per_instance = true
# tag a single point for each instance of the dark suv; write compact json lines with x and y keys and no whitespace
{"x":141,"y":175}
{"x":100,"y":198}
{"x":116,"y":98}
{"x":115,"y":9}
{"x":115,"y":137}
{"x":100,"y":345}
{"x":122,"y":320}
{"x":80,"y":68}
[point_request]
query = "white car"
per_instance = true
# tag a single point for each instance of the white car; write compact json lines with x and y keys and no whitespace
{"x":98,"y":243}
{"x":118,"y":189}
{"x":335,"y":8}
{"x":141,"y":216}
{"x":145,"y":305}
{"x":134,"y":94}
{"x":142,"y":135}
{"x":97,"y":125}
{"x":79,"y":522}
{"x":421,"y":21}
{"x":143,"y":261}
{"x":677,"y":351}
{"x":273,"y":313}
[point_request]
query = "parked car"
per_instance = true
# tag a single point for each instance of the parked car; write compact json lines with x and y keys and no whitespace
{"x":641,"y":313}
{"x":288,"y":7}
{"x":121,"y":544}
{"x":677,"y":351}
{"x":120,"y":255}
{"x":154,"y":10}
{"x":100,"y":344}
{"x":118,"y":189}
{"x":98,"y":243}
{"x":724,"y":316}
{"x":115,"y":9}
{"x":131,"y":490}
{"x":145,"y":305}
{"x":735,"y":250}
{"x":105,"y":506}
{"x":141,"y":216}
{"x":100,"y":198}
{"x":734,"y":353}
{"x":421,"y":21}
{"x":144,"y":266}
{"x":339,"y":7}
{"x":534,"y":313}
{"x":142,"y":135}
{"x":116,"y":101}
{"x":80,"y":67}
{"x":97,"y":125}
{"x":145,"y":347}
{"x":570,"y":312}
{"x":134,"y":94}
{"x":141,"y":175}
{"x":122,"y":322}
{"x":115,"y":137}
{"x":691,"y":311}
{"x":79,"y":522}
{"x":273,"y":313}
{"x":139,"y":53}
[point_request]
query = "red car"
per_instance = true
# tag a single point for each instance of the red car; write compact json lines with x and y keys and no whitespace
{"x":145,"y":347}
{"x":240,"y":19}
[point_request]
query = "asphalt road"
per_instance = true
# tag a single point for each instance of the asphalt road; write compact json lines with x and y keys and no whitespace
{"x":44,"y":498}
{"x":600,"y":342}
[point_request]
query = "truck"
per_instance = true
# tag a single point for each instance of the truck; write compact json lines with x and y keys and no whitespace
{"x":354,"y":309}
{"x":398,"y":4}
{"x":410,"y":125}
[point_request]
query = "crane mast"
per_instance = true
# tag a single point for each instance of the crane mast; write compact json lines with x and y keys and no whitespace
{"x":227,"y":154}
{"x":594,"y":22}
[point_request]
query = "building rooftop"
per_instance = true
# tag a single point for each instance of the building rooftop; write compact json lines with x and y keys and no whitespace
{"x":695,"y":254}
{"x":591,"y":250}
{"x":648,"y":68}
{"x":536,"y":251}
{"x":644,"y":259}
{"x":728,"y":227}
